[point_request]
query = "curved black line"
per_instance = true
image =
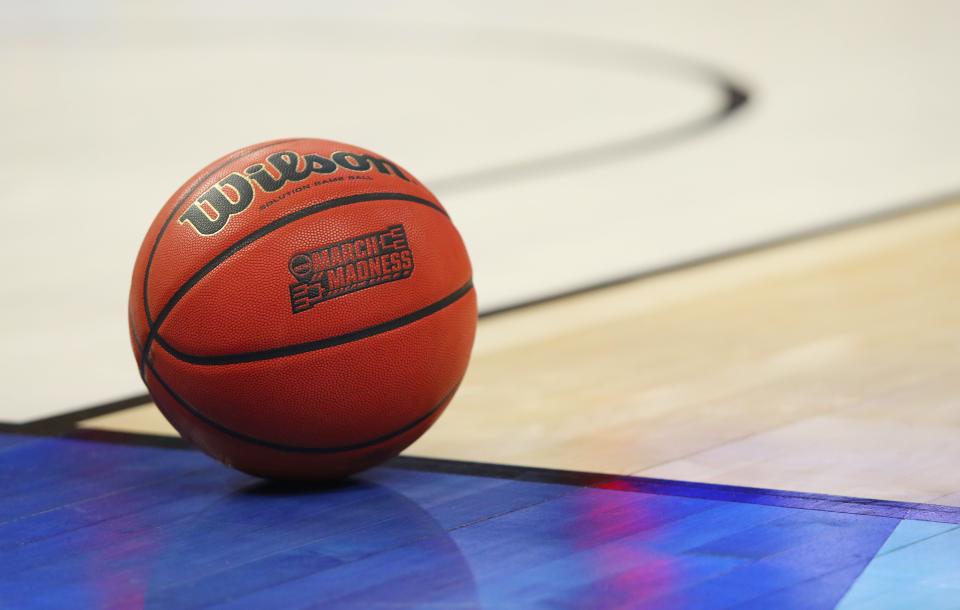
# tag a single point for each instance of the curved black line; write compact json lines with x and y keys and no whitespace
{"x":186,"y":195}
{"x":298,"y":449}
{"x":311,"y":346}
{"x":735,"y":98}
{"x":248,"y":239}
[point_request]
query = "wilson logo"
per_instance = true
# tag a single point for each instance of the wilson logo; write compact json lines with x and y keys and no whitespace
{"x":347,"y":266}
{"x":233,"y":194}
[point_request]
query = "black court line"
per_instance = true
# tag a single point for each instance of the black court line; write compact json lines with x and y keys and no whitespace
{"x":883,"y":215}
{"x":889,"y":509}
{"x":669,"y":487}
{"x":61,"y":424}
{"x":734,"y":97}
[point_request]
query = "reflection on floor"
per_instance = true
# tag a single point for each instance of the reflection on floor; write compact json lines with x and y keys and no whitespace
{"x":101,"y":524}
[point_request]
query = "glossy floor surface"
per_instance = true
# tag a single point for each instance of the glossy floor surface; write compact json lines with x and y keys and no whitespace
{"x":683,"y":148}
{"x":92,"y":524}
{"x":828,"y":365}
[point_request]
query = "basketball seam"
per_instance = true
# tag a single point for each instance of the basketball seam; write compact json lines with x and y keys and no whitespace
{"x":173,"y":212}
{"x":319,"y":344}
{"x":253,"y":236}
{"x":294,"y":448}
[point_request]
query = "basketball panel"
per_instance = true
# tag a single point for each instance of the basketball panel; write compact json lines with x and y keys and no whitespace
{"x":262,"y":461}
{"x":359,"y":266}
{"x":199,"y":232}
{"x":332,"y":397}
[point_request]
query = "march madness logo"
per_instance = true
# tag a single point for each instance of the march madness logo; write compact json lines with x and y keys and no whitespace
{"x":347,"y":266}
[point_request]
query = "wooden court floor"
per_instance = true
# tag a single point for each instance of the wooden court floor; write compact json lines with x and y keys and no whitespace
{"x":826,"y":365}
{"x":771,"y":400}
{"x":773,"y":427}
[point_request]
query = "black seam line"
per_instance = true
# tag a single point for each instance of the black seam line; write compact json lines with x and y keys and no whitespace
{"x":137,"y":348}
{"x":255,"y":235}
{"x":156,"y":242}
{"x":294,"y":448}
{"x":312,"y":346}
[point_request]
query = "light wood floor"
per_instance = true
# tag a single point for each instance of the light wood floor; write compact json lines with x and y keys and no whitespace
{"x":828,"y":366}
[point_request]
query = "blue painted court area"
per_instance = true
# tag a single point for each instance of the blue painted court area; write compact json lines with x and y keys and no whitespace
{"x":87,"y":524}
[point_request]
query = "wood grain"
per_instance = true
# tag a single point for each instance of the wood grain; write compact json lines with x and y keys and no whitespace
{"x":827,"y":366}
{"x":87,"y":524}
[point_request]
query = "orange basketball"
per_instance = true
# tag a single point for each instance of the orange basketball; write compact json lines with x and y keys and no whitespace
{"x":302,"y":309}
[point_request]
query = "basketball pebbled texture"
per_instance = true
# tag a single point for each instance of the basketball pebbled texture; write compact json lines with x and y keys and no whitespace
{"x":302,"y":309}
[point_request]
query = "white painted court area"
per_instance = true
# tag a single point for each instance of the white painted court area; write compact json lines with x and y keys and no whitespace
{"x":852,"y":110}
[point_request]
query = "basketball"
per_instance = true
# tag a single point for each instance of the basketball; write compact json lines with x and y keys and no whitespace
{"x":302,"y":309}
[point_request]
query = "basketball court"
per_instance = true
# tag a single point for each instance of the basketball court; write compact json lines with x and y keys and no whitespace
{"x":716,"y":249}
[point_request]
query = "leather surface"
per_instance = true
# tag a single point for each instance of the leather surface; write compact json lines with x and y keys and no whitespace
{"x":302,"y":324}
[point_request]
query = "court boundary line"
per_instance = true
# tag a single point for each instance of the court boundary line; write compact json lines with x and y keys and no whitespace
{"x":888,"y":213}
{"x":758,"y":496}
{"x":63,"y":423}
{"x":893,"y":509}
{"x":67,"y":421}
